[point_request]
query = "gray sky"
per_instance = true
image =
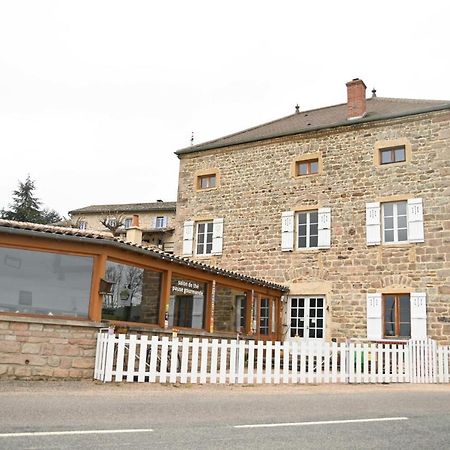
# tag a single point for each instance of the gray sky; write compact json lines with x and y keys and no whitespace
{"x":95,"y":96}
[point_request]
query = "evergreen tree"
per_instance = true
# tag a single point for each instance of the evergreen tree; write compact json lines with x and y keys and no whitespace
{"x":26,"y":206}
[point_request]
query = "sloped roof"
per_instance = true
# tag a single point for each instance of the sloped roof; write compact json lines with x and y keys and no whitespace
{"x":74,"y":234}
{"x":378,"y":108}
{"x":127,"y":207}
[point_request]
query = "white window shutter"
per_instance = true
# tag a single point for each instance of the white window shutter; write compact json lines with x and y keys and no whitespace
{"x":374,"y":322}
{"x":415,"y":220}
{"x":287,"y":231}
{"x":324,"y":238}
{"x":217,"y":236}
{"x":418,"y":315}
{"x":164,"y":222}
{"x":154,"y":222}
{"x":188,"y":237}
{"x":373,"y":223}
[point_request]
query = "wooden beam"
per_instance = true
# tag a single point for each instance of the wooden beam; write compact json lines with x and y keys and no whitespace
{"x":166,"y":287}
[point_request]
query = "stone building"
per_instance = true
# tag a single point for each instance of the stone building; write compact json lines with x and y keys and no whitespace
{"x":348,"y":205}
{"x":157,"y":220}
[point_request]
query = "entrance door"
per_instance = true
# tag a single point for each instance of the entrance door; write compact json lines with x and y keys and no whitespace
{"x":307,"y":319}
{"x":183,"y":311}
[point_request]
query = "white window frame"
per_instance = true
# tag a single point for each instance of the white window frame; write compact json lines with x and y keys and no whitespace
{"x":127,"y":223}
{"x":395,"y":218}
{"x":306,"y":316}
{"x":308,"y":229}
{"x":82,"y":225}
{"x":204,"y":242}
{"x":160,"y":222}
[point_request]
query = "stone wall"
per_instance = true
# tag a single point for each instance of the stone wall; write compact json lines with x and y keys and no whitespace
{"x":40,"y":349}
{"x":257,"y":185}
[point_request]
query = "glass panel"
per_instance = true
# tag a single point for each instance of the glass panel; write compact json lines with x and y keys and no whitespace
{"x":135,"y":294}
{"x":314,"y":229}
{"x":401,"y":222}
{"x":312,"y":302}
{"x":212,"y":181}
{"x":405,"y":308}
{"x":320,"y":323}
{"x":319,"y":333}
{"x":302,"y":242}
{"x":210,"y":227}
{"x":401,"y":208}
{"x":187,"y":303}
{"x":314,"y":217}
{"x":314,"y":166}
{"x":320,"y":302}
{"x":389,"y":303}
{"x":229,"y":309}
{"x":400,"y":154}
{"x":386,"y":156}
{"x":313,"y":241}
{"x":264,"y":316}
{"x":294,"y":311}
{"x":312,"y":312}
{"x":405,"y":330}
{"x":402,"y":235}
{"x":302,"y":168}
{"x":301,"y":302}
{"x":45,"y":283}
{"x":302,"y":218}
{"x":201,"y":227}
{"x":389,"y":223}
{"x":389,"y":236}
{"x":294,"y":302}
{"x":388,"y":209}
{"x":293,"y":323}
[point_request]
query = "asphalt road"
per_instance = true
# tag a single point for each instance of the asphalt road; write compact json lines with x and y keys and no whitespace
{"x":54,"y":415}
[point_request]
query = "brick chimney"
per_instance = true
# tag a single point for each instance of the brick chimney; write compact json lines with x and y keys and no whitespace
{"x":356,"y":99}
{"x":134,"y":233}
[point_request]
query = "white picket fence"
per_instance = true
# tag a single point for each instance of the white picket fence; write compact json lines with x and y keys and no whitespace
{"x":160,"y":359}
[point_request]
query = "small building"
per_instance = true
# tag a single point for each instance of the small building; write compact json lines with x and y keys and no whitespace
{"x":157,"y":220}
{"x":59,"y":286}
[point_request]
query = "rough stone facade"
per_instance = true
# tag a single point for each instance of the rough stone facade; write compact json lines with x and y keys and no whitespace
{"x":36,"y":349}
{"x":257,"y":185}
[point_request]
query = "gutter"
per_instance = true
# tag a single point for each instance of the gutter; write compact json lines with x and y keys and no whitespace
{"x":204,"y":147}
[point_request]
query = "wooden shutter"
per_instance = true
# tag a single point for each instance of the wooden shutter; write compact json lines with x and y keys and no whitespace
{"x":374,"y":322}
{"x":415,"y":220}
{"x":418,"y":315}
{"x":324,"y":239}
{"x":373,"y":223}
{"x":287,"y":231}
{"x":188,"y":237}
{"x":217,"y":236}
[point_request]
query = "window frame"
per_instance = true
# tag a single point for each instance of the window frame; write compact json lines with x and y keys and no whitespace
{"x":308,"y":163}
{"x":205,"y":242}
{"x":391,"y":144}
{"x":395,"y":218}
{"x":397,"y":322}
{"x":393,"y":152}
{"x":308,"y":229}
{"x":160,"y":220}
{"x":308,"y":159}
{"x":127,"y":223}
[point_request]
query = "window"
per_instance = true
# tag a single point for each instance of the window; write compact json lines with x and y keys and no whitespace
{"x":53,"y":284}
{"x":397,"y":315}
{"x":82,"y":225}
{"x":204,"y":238}
{"x":392,"y":155}
{"x":206,"y":181}
{"x":264,"y":316}
{"x":395,"y":226}
{"x":111,"y":221}
{"x":306,"y":229}
{"x":308,"y":167}
{"x":135,"y":294}
{"x":187,"y":303}
{"x":307,"y":317}
{"x":394,"y":222}
{"x":127,"y":223}
{"x":160,"y":222}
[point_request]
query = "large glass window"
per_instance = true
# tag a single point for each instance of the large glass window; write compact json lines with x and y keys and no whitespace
{"x":45,"y":283}
{"x":135,"y":294}
{"x":187,"y":303}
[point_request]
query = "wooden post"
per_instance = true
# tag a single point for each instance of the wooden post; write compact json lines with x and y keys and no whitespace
{"x":96,"y":300}
{"x":166,"y":288}
{"x":209,"y":306}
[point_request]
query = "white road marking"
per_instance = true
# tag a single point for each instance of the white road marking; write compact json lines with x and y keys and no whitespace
{"x":74,"y":432}
{"x":324,"y":422}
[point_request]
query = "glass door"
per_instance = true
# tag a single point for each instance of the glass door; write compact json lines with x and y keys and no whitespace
{"x":307,"y":317}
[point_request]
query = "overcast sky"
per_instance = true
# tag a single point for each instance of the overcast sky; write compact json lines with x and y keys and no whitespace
{"x":95,"y":96}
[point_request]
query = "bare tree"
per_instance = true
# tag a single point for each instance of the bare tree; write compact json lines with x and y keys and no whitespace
{"x":113,"y":220}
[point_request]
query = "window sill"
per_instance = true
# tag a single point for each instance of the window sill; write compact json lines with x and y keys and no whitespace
{"x":51,"y":321}
{"x":207,"y":189}
{"x":398,"y":244}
